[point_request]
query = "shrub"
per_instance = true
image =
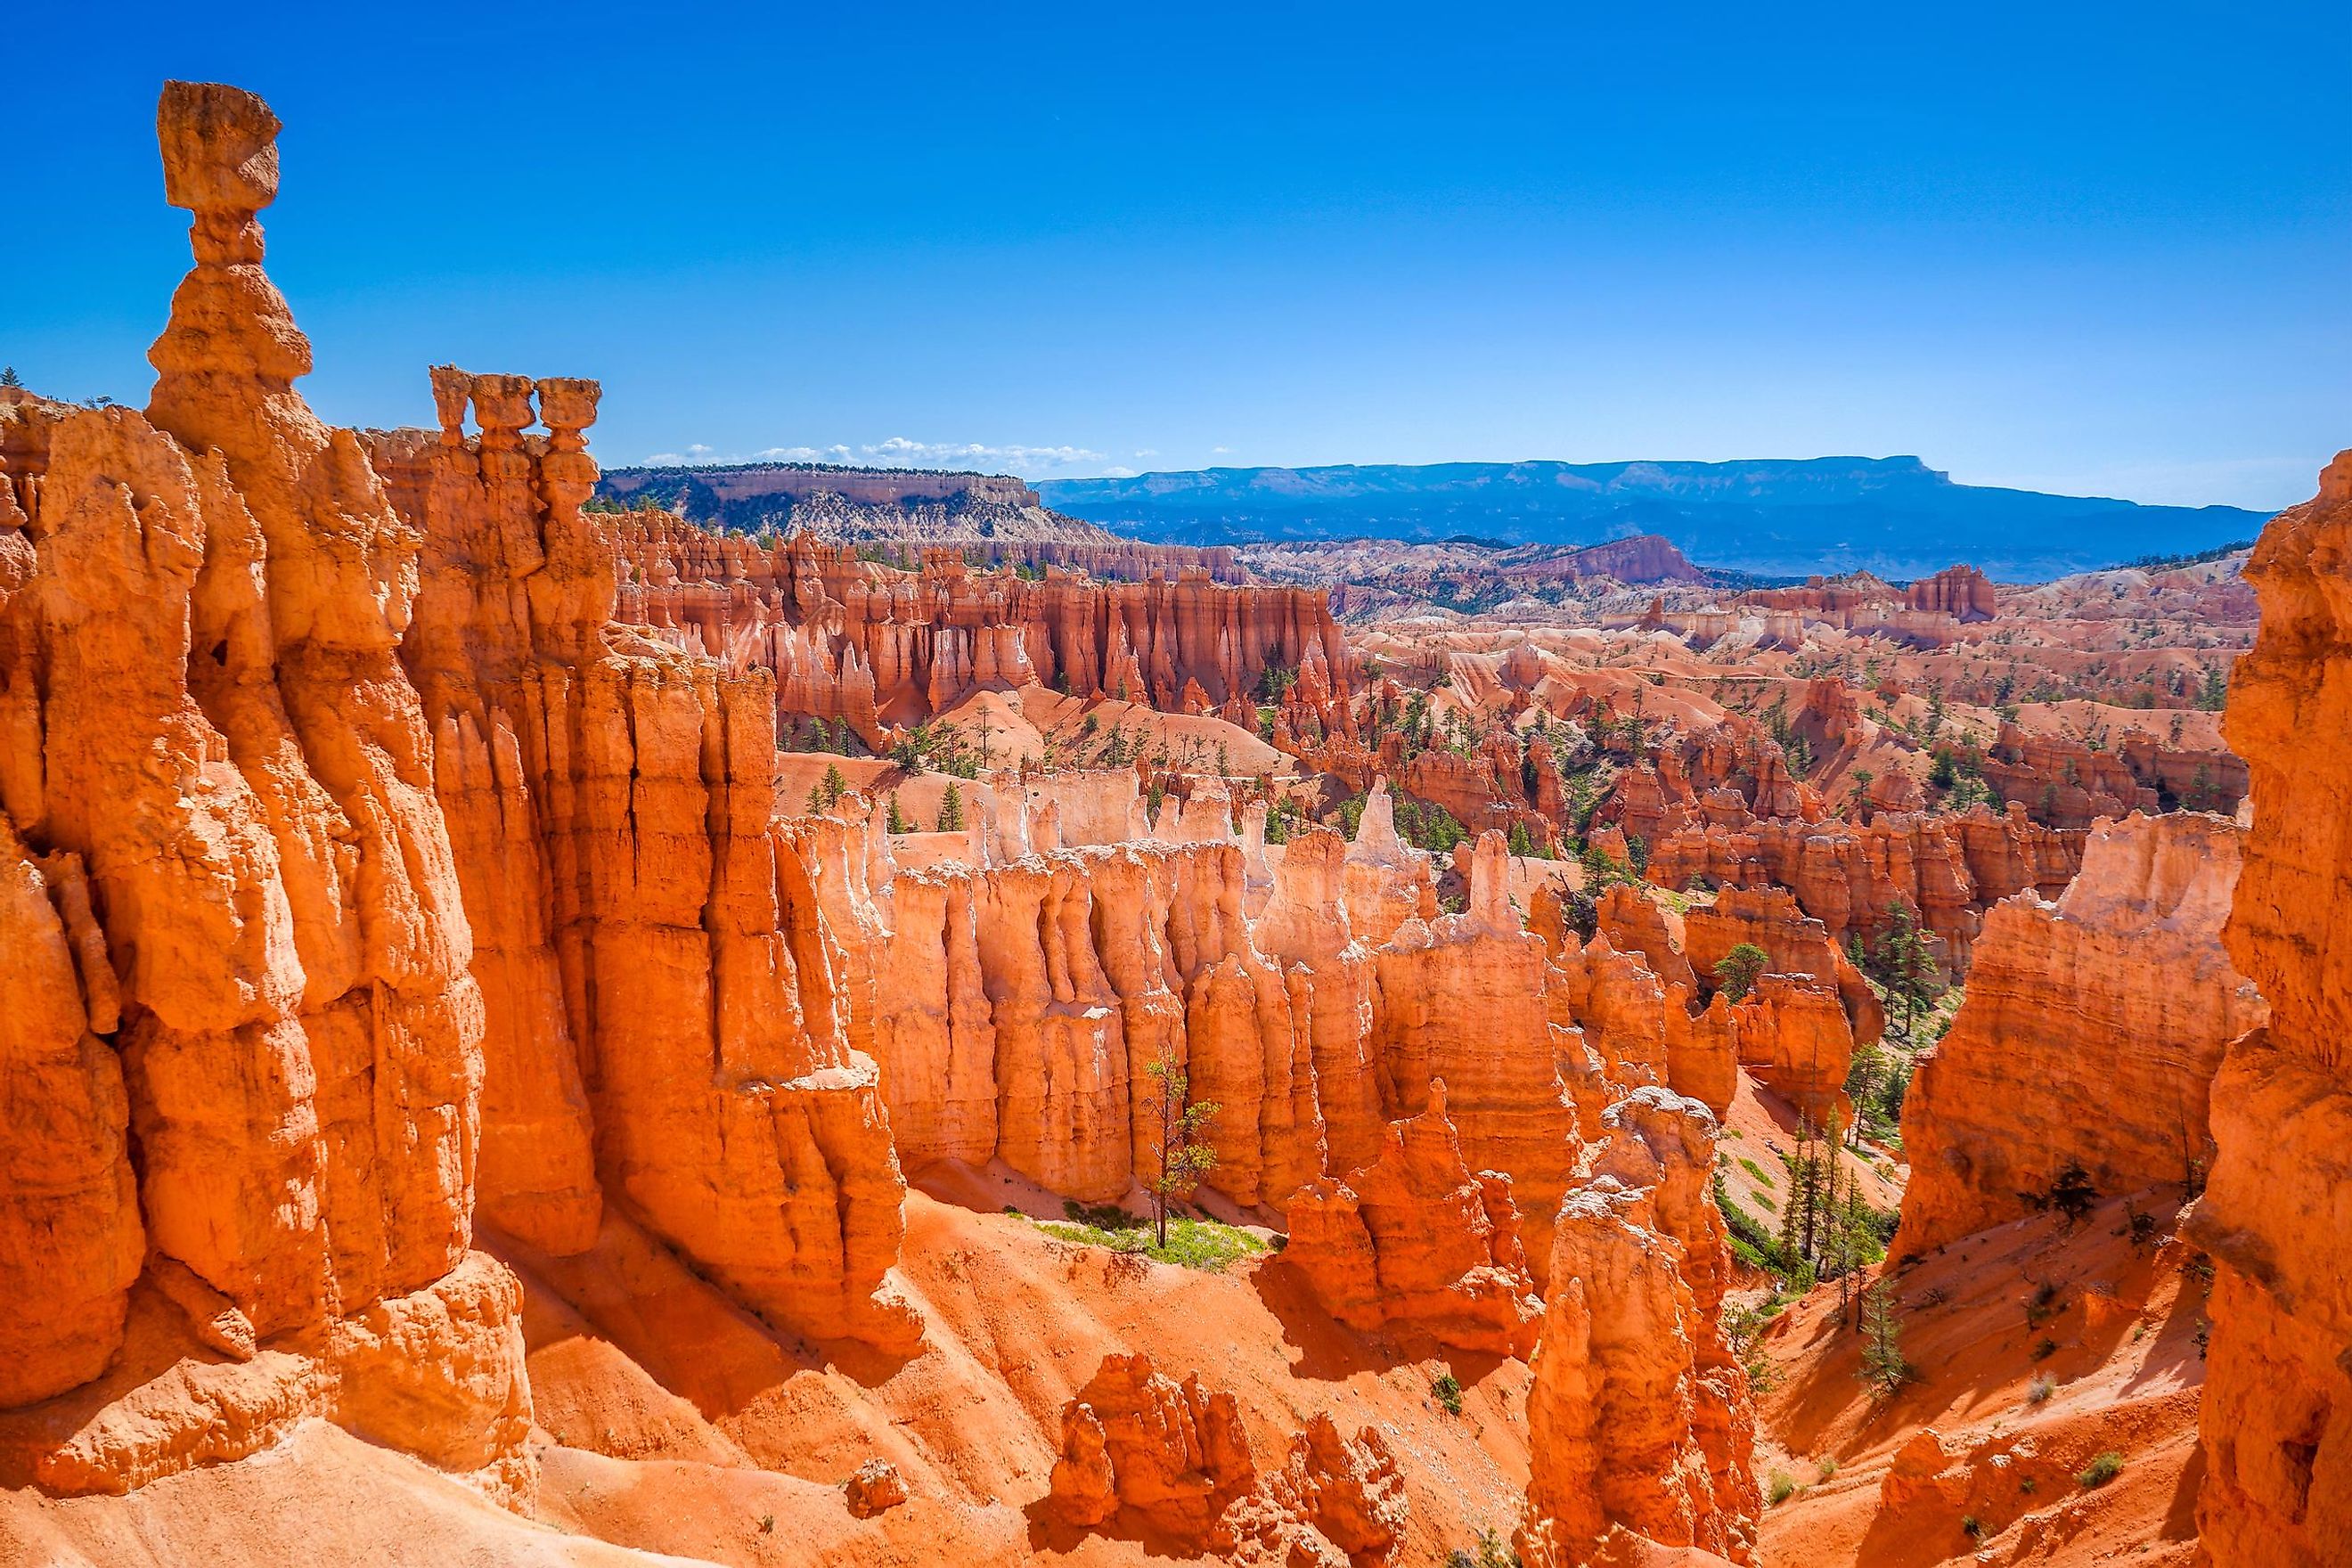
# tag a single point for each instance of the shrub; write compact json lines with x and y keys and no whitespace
{"x":1448,"y":1388}
{"x":1828,"y":1467}
{"x":2042,"y":1389}
{"x":2101,"y":1471}
{"x":2044,"y":1349}
{"x":1493,"y":1552}
{"x":1783,"y":1488}
{"x":1971,"y":1526}
{"x":1204,"y":1245}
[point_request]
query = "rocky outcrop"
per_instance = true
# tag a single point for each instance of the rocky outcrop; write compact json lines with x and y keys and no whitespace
{"x":1769,"y":917}
{"x":1140,"y":1450}
{"x":1792,"y":1036}
{"x":1434,"y":1018}
{"x":241,"y":1037}
{"x":1175,"y":1453}
{"x":2117,"y":996}
{"x":676,"y":1004}
{"x":1639,"y":1416}
{"x":855,"y":639}
{"x":1416,"y":1240}
{"x":1961,"y":592}
{"x":2277,"y":1418}
{"x":1848,"y":876}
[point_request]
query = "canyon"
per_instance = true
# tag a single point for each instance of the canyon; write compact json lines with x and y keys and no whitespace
{"x":824,"y":1017}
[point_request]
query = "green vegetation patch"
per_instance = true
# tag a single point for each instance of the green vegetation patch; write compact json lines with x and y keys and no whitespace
{"x":1206,"y":1245}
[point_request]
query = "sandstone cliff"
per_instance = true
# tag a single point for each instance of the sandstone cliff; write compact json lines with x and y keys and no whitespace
{"x":885,"y":648}
{"x":2278,"y":1395}
{"x":2117,"y":996}
{"x":242,"y":1034}
{"x":669,"y":1024}
{"x":1639,"y":1416}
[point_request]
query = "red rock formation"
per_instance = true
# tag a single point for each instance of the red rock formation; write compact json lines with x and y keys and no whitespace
{"x":1792,"y":1036}
{"x":2064,"y":783}
{"x":1639,"y":1416}
{"x":1633,"y":923}
{"x":1347,"y":1491}
{"x":876,"y":1487}
{"x":1416,"y":1240}
{"x":882,"y":648}
{"x":2118,"y":996}
{"x":1961,"y":592}
{"x":1848,"y":876}
{"x":684,"y":978}
{"x":1768,"y":918}
{"x":2278,"y":1395}
{"x":1175,"y":1453}
{"x":224,"y":860}
{"x":1138,"y":1448}
{"x":1434,"y":1018}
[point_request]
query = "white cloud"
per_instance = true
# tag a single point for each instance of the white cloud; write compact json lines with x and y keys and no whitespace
{"x":832,"y":454}
{"x":898,"y":452}
{"x":903,"y":452}
{"x":1219,"y":451}
{"x":1147,"y":452}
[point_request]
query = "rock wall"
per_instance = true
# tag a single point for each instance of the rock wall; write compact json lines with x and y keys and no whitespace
{"x":1416,"y":1238}
{"x":2277,"y":1418}
{"x":1640,"y":1414}
{"x":2117,"y":996}
{"x":243,"y":1044}
{"x":882,"y":648}
{"x":1141,"y":1448}
{"x":670,"y":1028}
{"x":1947,"y":869}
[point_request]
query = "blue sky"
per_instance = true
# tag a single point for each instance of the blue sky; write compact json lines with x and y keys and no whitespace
{"x":2094,"y":248}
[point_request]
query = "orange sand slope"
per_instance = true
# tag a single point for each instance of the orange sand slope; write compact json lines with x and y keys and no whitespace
{"x":670,"y":1420}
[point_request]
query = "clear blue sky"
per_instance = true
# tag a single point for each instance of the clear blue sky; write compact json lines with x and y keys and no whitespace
{"x":2095,"y":248}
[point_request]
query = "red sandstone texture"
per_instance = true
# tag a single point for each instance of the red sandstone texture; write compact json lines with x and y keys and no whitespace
{"x":2117,"y":996}
{"x":2278,"y":1450}
{"x":1173,"y":1461}
{"x":1639,"y":1414}
{"x":234,"y":929}
{"x":885,"y":648}
{"x":1416,"y":1237}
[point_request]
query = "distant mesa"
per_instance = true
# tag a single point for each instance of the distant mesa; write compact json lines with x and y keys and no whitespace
{"x":757,"y":482}
{"x":996,"y":519}
{"x":1786,"y":518}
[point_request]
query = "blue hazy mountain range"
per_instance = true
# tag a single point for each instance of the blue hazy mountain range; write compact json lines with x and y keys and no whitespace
{"x":1773,"y":517}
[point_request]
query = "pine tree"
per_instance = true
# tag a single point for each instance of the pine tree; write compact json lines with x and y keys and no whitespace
{"x":835,"y":786}
{"x":8,"y":376}
{"x":1882,"y":1367}
{"x":950,"y":819}
{"x":1902,"y":961}
{"x":1180,"y":1153}
{"x":898,"y":822}
{"x":1737,"y":970}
